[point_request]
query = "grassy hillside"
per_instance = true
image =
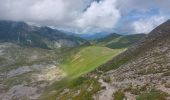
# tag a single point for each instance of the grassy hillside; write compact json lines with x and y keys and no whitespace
{"x":83,"y":60}
{"x":77,"y":62}
{"x":116,"y":41}
{"x":87,"y":59}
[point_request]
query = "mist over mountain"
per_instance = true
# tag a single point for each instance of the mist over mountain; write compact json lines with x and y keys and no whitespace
{"x":94,"y":36}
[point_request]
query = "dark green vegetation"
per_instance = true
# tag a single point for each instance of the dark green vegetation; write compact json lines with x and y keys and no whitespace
{"x":119,"y":95}
{"x":117,"y":41}
{"x":155,"y":95}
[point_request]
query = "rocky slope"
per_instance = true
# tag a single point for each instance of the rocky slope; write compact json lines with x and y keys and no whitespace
{"x":146,"y":71}
{"x":26,"y":71}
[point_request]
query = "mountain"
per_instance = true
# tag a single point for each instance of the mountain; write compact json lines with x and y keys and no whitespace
{"x":29,"y":65}
{"x":115,"y":41}
{"x":80,"y":83}
{"x":44,"y":37}
{"x":135,"y":67}
{"x":142,"y":72}
{"x":93,"y":36}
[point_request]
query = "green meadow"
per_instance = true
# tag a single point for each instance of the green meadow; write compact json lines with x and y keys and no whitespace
{"x":76,"y":63}
{"x":86,"y":59}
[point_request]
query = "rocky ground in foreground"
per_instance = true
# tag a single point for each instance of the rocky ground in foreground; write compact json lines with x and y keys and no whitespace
{"x":146,"y":75}
{"x":148,"y":72}
{"x":25,"y":72}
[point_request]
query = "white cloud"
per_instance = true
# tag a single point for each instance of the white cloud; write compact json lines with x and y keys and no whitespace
{"x":47,"y":12}
{"x":70,"y":15}
{"x":48,"y":9}
{"x":100,"y":15}
{"x":148,"y":24}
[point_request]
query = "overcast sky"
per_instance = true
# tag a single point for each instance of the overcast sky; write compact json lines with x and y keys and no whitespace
{"x":89,"y":16}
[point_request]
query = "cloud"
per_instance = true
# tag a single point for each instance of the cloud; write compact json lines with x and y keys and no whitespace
{"x":100,"y":15}
{"x":126,"y":6}
{"x":147,"y":24}
{"x":47,"y":12}
{"x":85,"y":16}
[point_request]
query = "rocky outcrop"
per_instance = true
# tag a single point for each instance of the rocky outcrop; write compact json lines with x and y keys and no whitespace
{"x":26,"y":72}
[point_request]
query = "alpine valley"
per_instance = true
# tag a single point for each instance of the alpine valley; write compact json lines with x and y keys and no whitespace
{"x":42,"y":63}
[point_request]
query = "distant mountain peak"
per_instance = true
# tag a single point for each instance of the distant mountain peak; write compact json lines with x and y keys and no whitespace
{"x":161,"y":30}
{"x":157,"y":37}
{"x":28,"y":35}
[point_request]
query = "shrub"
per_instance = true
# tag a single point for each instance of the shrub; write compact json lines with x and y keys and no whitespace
{"x":154,"y":95}
{"x":107,"y":79}
{"x":119,"y":95}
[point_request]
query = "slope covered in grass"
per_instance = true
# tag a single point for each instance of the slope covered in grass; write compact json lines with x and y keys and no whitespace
{"x":87,"y":59}
{"x":116,"y":41}
{"x":76,"y":63}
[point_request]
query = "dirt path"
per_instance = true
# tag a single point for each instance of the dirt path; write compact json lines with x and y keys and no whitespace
{"x":105,"y":94}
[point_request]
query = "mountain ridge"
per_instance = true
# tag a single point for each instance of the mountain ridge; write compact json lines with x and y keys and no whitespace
{"x":139,"y":46}
{"x":45,"y":37}
{"x":115,"y":40}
